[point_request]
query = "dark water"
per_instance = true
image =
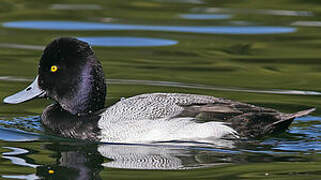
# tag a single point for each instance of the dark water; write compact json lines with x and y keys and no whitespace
{"x":259,"y":52}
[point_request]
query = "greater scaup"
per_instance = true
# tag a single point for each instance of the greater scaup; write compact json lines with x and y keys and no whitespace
{"x":71,"y":75}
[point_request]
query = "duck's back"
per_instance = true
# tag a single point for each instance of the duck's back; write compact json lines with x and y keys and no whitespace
{"x":154,"y":106}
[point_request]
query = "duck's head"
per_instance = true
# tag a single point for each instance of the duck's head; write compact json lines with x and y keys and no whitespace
{"x":70,"y":74}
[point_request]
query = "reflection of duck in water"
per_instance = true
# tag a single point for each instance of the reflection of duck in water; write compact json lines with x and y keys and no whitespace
{"x":70,"y":74}
{"x":78,"y":160}
{"x":86,"y":161}
{"x":73,"y":162}
{"x":149,"y":157}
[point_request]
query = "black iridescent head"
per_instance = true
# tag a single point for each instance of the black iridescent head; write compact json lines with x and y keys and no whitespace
{"x":70,"y":74}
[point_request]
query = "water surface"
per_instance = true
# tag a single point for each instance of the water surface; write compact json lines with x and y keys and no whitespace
{"x":254,"y":52}
{"x":94,"y":26}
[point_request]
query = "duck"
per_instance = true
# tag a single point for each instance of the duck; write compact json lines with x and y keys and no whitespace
{"x":71,"y":75}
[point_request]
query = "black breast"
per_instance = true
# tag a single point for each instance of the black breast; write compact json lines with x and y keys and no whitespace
{"x":60,"y":122}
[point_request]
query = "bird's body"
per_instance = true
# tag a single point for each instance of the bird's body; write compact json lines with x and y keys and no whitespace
{"x":70,"y":74}
{"x":176,"y":116}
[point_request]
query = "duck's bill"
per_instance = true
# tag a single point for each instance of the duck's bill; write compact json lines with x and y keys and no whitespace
{"x":31,"y":92}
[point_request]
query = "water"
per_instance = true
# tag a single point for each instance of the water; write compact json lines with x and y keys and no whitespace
{"x":261,"y":53}
{"x":87,"y":26}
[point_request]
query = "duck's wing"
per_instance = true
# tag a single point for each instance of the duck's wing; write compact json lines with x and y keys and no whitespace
{"x":221,"y":110}
{"x":246,"y":119}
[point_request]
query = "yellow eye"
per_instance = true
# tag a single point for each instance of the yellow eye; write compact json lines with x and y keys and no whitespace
{"x":53,"y":68}
{"x":50,"y":171}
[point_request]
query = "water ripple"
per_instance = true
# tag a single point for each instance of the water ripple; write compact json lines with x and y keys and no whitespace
{"x":94,"y":26}
{"x":106,"y":41}
{"x":307,"y":23}
{"x":205,"y":16}
{"x":15,"y":135}
{"x":75,"y":7}
{"x":17,"y":160}
{"x":21,"y":46}
{"x":20,"y":161}
{"x":127,"y":41}
{"x":201,"y":86}
{"x":252,"y":11}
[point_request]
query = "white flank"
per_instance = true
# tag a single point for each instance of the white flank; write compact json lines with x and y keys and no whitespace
{"x":162,"y":130}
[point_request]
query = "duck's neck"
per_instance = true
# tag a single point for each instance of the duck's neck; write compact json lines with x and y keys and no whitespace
{"x":89,"y":96}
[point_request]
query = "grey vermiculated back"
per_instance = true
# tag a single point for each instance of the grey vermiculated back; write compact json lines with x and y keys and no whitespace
{"x":155,"y":105}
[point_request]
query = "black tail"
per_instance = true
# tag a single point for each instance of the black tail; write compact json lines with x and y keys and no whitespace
{"x":264,"y":123}
{"x":302,"y":113}
{"x":285,"y":122}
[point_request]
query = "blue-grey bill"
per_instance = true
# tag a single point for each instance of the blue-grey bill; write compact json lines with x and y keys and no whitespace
{"x":32,"y":91}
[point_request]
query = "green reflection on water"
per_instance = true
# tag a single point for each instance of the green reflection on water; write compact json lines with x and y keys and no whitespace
{"x":279,"y":61}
